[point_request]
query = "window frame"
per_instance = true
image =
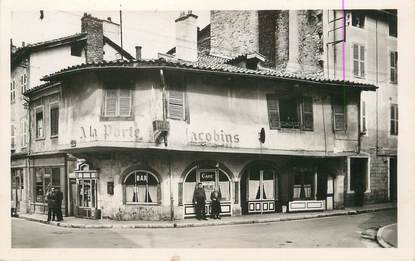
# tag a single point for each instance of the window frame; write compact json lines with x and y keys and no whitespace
{"x":124,"y":187}
{"x":335,"y":101}
{"x":359,"y":60}
{"x":395,"y":68}
{"x":42,"y":109}
{"x":275,"y":109}
{"x":395,"y":120}
{"x":117,"y":116}
{"x":355,"y":14}
{"x":393,"y":21}
{"x":52,"y":106}
{"x":313,"y":187}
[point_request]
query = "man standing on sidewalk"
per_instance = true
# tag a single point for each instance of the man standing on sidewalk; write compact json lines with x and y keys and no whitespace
{"x":199,"y":199}
{"x":58,"y":205}
{"x":51,"y":199}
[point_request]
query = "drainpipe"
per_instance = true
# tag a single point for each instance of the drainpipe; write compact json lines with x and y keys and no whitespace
{"x":29,"y":152}
{"x":164,"y":108}
{"x":377,"y":83}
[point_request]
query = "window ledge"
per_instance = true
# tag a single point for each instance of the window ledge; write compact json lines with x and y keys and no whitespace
{"x":54,"y":136}
{"x":141,"y":204}
{"x":40,"y":138}
{"x":117,"y":118}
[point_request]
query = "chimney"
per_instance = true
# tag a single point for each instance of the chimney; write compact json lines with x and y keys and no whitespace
{"x":94,"y":39}
{"x":186,"y":36}
{"x":23,"y":44}
{"x":138,"y":52}
{"x":293,"y":38}
{"x":13,"y":47}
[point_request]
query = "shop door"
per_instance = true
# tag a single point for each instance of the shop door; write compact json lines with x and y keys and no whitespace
{"x":87,"y":197}
{"x":17,"y":187}
{"x":393,"y":179}
{"x":260,"y":192}
{"x":72,"y":197}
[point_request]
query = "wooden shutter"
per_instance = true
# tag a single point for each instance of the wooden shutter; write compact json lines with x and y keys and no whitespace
{"x":339,"y":111}
{"x":355,"y":60}
{"x":307,"y":113}
{"x":394,"y":119}
{"x":393,"y":67}
{"x":273,"y":111}
{"x":125,"y":102}
{"x":362,"y":61}
{"x":111,"y":102}
{"x":54,"y":121}
{"x":176,"y":100}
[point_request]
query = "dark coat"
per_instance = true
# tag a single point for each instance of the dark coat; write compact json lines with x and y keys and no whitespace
{"x":59,"y":197}
{"x":199,"y":195}
{"x":51,"y":199}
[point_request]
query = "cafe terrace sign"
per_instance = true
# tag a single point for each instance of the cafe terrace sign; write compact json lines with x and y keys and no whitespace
{"x":110,"y":132}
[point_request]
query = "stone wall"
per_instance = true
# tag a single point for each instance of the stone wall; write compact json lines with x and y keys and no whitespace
{"x":281,"y":40}
{"x":267,"y":33}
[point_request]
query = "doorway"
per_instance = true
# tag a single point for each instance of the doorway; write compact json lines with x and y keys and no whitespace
{"x":393,"y":179}
{"x":358,"y":179}
{"x":259,"y":190}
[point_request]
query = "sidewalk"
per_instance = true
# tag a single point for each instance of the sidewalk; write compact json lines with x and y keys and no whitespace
{"x":73,"y":222}
{"x":387,"y":236}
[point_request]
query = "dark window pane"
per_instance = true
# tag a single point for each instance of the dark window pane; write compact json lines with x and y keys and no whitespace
{"x":54,"y":121}
{"x":273,"y":111}
{"x":191,"y":177}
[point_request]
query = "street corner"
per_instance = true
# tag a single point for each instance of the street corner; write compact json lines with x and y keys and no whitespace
{"x":387,"y":236}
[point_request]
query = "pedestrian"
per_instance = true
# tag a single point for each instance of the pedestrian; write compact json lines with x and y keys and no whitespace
{"x":58,"y":205}
{"x":51,"y":199}
{"x":215,"y":198}
{"x":199,"y":199}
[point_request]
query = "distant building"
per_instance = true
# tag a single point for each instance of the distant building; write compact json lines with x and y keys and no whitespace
{"x":150,"y":130}
{"x":36,"y":162}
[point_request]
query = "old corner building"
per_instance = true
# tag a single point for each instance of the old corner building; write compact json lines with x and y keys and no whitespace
{"x":145,"y":132}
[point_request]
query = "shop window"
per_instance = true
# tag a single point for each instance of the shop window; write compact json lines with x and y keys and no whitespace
{"x":394,"y":67}
{"x":46,"y":178}
{"x":39,"y":122}
{"x":359,"y":60}
{"x":141,"y":187}
{"x":17,"y":184}
{"x":118,"y":103}
{"x":339,"y":113}
{"x":358,"y":19}
{"x":290,"y":112}
{"x":303,"y":185}
{"x":54,"y":120}
{"x":24,"y":130}
{"x":261,"y":184}
{"x":394,"y":119}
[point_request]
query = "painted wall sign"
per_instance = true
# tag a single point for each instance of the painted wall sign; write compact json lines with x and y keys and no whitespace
{"x":207,"y":176}
{"x":214,"y":138}
{"x":109,"y":132}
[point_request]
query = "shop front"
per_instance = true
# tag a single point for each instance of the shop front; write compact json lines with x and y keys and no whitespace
{"x":212,"y":175}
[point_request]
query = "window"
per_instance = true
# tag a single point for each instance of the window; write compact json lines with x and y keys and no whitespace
{"x":54,"y":120}
{"x":39,"y":122}
{"x":13,"y":91}
{"x":76,"y":49}
{"x":23,"y":82}
{"x":289,"y":111}
{"x":141,"y":187}
{"x":358,"y":60}
{"x":118,"y":102}
{"x":394,"y":119}
{"x":24,"y":130}
{"x":394,"y":67}
{"x":358,"y":20}
{"x":363,"y":118}
{"x":45,"y":178}
{"x":393,"y":26}
{"x":176,"y":109}
{"x":303,"y":185}
{"x":261,"y":184}
{"x":12,"y":137}
{"x":339,"y":113}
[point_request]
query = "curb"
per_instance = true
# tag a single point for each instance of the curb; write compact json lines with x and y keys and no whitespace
{"x":210,"y":223}
{"x":380,"y":239}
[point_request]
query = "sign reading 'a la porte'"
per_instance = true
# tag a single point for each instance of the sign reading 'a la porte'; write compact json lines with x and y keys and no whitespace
{"x":110,"y":133}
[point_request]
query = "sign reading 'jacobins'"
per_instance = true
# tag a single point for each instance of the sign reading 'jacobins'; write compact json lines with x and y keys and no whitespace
{"x":214,"y":138}
{"x":110,"y":132}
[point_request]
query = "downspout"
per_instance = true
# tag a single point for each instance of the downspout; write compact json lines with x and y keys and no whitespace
{"x":164,"y":108}
{"x":358,"y":123}
{"x":377,"y":83}
{"x":29,"y":151}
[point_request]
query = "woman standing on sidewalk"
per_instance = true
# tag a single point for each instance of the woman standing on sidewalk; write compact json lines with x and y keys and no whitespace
{"x":215,"y":197}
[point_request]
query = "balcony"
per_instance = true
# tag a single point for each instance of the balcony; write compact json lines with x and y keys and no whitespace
{"x":160,"y":129}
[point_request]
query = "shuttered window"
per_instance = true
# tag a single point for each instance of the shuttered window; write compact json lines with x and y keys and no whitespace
{"x":339,"y":113}
{"x":12,"y":137}
{"x":54,"y":120}
{"x":273,"y":111}
{"x":394,"y":67}
{"x":176,"y":106}
{"x":358,"y":60}
{"x":307,"y":113}
{"x":39,"y":122}
{"x":363,"y":118}
{"x":118,"y":103}
{"x":394,"y":119}
{"x":23,"y":125}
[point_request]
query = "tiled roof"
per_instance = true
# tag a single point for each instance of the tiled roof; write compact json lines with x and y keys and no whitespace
{"x":207,"y":64}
